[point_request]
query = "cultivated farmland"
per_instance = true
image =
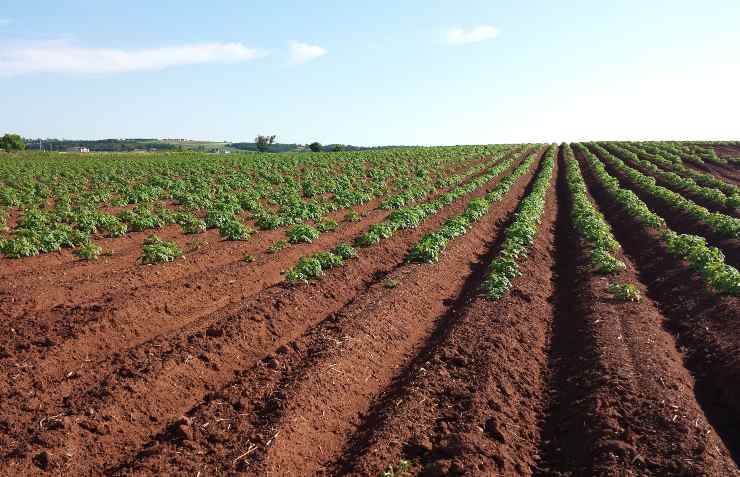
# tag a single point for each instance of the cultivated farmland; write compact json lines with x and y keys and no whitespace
{"x":526,"y":309}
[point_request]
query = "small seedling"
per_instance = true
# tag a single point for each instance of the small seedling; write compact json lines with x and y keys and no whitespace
{"x":327,"y":226}
{"x":159,"y":251}
{"x":302,"y":233}
{"x":195,"y":244}
{"x":277,"y":246}
{"x":89,"y":251}
{"x":390,"y":283}
{"x":624,"y":292}
{"x":352,"y":216}
{"x":401,"y":470}
{"x":248,"y":258}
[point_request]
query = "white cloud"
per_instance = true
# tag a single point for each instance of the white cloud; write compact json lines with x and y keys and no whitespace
{"x":460,"y":36}
{"x":61,"y":57}
{"x":303,"y":52}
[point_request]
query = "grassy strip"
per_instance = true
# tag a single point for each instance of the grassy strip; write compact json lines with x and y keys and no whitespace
{"x":430,"y":247}
{"x":721,"y":224}
{"x":708,"y":261}
{"x":520,"y":234}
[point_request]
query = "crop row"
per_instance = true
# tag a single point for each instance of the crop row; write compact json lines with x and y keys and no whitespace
{"x":721,"y":224}
{"x":313,"y":266}
{"x":430,"y":247}
{"x":673,"y":163}
{"x":521,"y":232}
{"x":411,"y":217}
{"x":676,"y":182}
{"x":588,"y":222}
{"x":414,"y":191}
{"x":707,"y":261}
{"x":59,"y":209}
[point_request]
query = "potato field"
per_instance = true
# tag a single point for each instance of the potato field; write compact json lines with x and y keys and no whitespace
{"x":527,"y":309}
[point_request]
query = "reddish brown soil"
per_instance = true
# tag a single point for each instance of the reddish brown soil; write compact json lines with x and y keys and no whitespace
{"x":621,"y":401}
{"x":86,"y":314}
{"x":314,"y":394}
{"x":178,"y":367}
{"x":706,"y":328}
{"x":383,"y":360}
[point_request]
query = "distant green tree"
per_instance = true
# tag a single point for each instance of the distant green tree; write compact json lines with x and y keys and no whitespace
{"x":338,"y":147}
{"x":315,"y":146}
{"x":12,"y":142}
{"x":263,"y":143}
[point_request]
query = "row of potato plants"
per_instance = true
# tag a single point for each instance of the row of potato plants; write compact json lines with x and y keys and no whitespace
{"x":313,"y":266}
{"x":411,"y":217}
{"x":720,"y":224}
{"x":668,"y":161}
{"x":414,"y":192}
{"x":59,"y":210}
{"x":706,"y":260}
{"x":432,"y":245}
{"x":588,"y":221}
{"x":674,"y":181}
{"x":594,"y":230}
{"x":519,"y":236}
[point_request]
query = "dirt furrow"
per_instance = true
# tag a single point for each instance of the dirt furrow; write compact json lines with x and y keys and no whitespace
{"x":76,"y":282}
{"x":50,"y":269}
{"x":116,"y":321}
{"x":621,"y":402}
{"x":117,"y":398}
{"x":725,"y":173}
{"x":706,"y":330}
{"x":318,"y":395}
{"x":469,"y":403}
{"x":81,"y":321}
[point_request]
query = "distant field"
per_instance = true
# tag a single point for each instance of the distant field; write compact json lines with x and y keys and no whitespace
{"x":525,"y":309}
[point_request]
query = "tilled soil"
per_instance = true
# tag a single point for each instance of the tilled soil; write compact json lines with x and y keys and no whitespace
{"x":378,"y":363}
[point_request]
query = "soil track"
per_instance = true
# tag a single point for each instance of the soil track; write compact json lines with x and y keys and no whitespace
{"x":179,"y":368}
{"x":621,"y":402}
{"x":727,"y":172}
{"x":706,"y":330}
{"x":298,"y":416}
{"x":98,"y":318}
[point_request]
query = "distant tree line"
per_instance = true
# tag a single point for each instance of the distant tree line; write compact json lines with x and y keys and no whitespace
{"x":101,"y":145}
{"x":12,"y":142}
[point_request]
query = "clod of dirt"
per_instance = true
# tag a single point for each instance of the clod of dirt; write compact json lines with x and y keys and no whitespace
{"x":452,"y":446}
{"x":492,"y":430}
{"x":418,"y":446}
{"x":41,"y":460}
{"x":182,"y":430}
{"x":441,"y":468}
{"x":271,"y":362}
{"x":213,"y":332}
{"x":619,"y":448}
{"x":459,"y":361}
{"x":90,"y":426}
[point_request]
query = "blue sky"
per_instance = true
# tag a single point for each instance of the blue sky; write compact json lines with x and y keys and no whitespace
{"x":412,"y":72}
